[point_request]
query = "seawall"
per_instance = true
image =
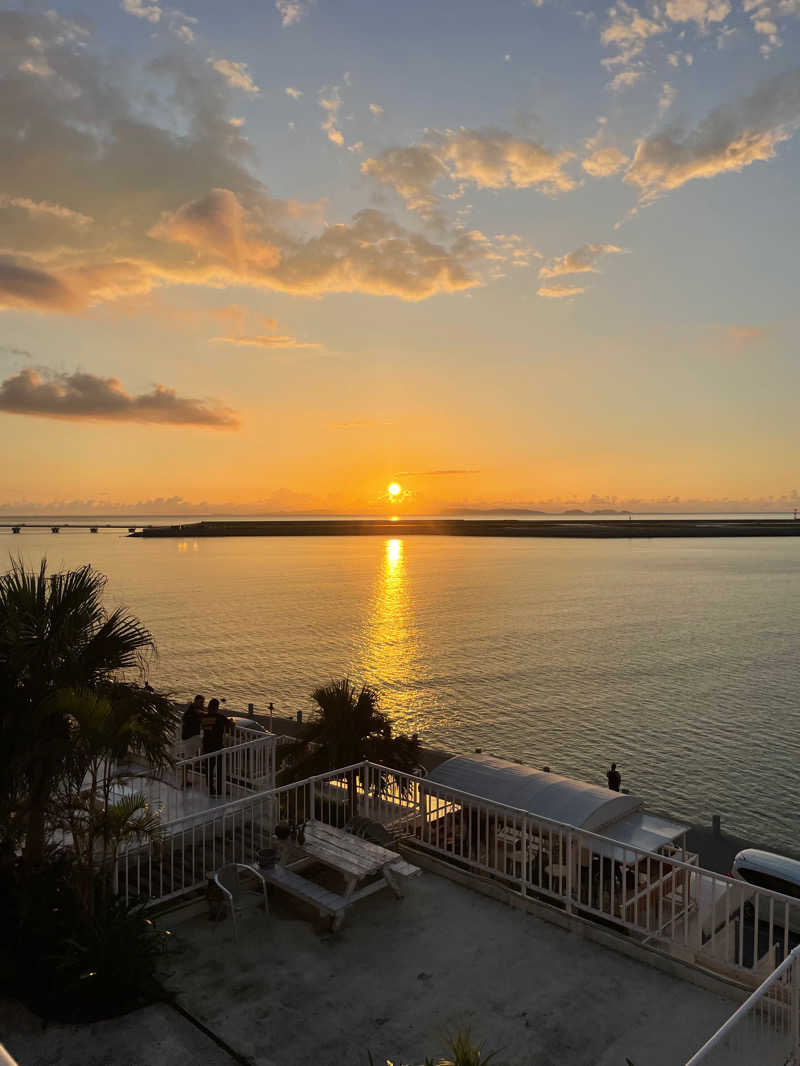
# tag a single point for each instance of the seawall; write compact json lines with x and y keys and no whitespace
{"x":619,"y":528}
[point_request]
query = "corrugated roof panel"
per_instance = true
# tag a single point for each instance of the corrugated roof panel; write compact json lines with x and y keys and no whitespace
{"x":645,"y":831}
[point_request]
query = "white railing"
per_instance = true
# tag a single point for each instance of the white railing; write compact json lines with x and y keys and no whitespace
{"x":190,"y":848}
{"x":663,"y":900}
{"x":666,"y":900}
{"x":765,"y":1030}
{"x":194,"y":785}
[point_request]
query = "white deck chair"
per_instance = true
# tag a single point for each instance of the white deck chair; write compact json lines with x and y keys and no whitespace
{"x":228,"y":880}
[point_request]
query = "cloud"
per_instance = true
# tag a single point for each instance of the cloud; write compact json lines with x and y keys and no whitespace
{"x":86,"y":397}
{"x":290,"y":11}
{"x":667,"y":99}
{"x":727,"y":140}
{"x":218,"y":226}
{"x":494,"y":159}
{"x":763,"y":17}
{"x":173,"y":204}
{"x":376,"y":110}
{"x":411,"y":172}
{"x":559,"y":292}
{"x":23,"y":287}
{"x":604,"y":162}
{"x":151,"y":12}
{"x":40,"y":208}
{"x":742,"y":336}
{"x":582,"y":260}
{"x":183,"y":33}
{"x":625,"y":79}
{"x":294,"y":93}
{"x":700,"y":11}
{"x":487,"y":158}
{"x":371,"y":254}
{"x":436,"y":473}
{"x":628,"y":31}
{"x":266,"y":341}
{"x":236,"y":74}
{"x":37,"y":66}
{"x":364,"y":424}
{"x":330,"y":100}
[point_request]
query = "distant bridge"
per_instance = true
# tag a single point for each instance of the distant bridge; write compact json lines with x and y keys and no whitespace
{"x":17,"y":527}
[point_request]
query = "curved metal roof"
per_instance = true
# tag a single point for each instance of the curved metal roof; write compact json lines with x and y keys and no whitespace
{"x":538,"y":792}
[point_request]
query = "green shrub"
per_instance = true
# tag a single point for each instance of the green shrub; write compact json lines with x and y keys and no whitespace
{"x":108,"y":966}
{"x":66,"y":965}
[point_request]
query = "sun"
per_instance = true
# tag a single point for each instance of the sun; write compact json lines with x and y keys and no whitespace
{"x":394,"y":490}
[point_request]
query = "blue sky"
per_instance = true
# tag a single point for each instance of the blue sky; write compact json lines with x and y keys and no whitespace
{"x":277,"y":255}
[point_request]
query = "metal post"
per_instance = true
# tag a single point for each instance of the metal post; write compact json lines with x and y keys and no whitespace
{"x":794,"y":978}
{"x":524,"y":858}
{"x":568,"y":858}
{"x":250,"y":710}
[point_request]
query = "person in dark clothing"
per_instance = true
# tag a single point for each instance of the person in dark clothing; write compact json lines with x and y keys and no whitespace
{"x":614,"y":779}
{"x":213,"y":724}
{"x":191,"y":728}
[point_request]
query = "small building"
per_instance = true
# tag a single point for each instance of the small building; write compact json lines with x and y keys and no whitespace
{"x":618,"y":816}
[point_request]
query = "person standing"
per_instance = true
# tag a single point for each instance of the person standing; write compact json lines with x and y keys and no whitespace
{"x":614,"y":778}
{"x":191,"y":727}
{"x":213,"y":725}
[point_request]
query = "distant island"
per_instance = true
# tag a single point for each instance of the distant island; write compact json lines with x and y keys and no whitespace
{"x":606,"y":511}
{"x":482,"y":511}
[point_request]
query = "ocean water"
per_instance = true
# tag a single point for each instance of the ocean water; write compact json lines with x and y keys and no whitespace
{"x":678,"y":659}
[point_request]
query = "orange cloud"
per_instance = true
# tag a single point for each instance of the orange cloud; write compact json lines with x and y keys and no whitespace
{"x":217,"y":225}
{"x":560,"y":292}
{"x":604,"y":162}
{"x":726,"y":141}
{"x":266,"y":341}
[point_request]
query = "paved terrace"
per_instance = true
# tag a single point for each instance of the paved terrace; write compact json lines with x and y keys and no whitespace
{"x":397,"y":978}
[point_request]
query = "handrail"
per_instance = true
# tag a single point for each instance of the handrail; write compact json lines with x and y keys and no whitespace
{"x":259,"y":739}
{"x":561,"y":826}
{"x":223,"y":809}
{"x":746,"y":1007}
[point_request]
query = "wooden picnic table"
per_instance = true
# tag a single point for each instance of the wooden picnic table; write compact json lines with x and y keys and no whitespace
{"x":351,"y":856}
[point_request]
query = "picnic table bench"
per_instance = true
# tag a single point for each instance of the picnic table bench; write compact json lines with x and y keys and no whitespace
{"x":353,"y":857}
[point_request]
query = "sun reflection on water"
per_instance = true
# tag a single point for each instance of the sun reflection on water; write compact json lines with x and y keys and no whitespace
{"x":391,"y":642}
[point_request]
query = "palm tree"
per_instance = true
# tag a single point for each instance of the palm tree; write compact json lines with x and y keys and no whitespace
{"x":94,"y":801}
{"x":349,"y":727}
{"x":57,"y":639}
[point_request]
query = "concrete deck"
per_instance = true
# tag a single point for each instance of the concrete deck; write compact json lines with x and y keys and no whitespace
{"x":153,"y":1036}
{"x":397,"y":979}
{"x":402,"y":975}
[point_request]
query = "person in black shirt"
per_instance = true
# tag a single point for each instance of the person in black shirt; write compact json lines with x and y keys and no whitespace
{"x":191,"y":727}
{"x":213,"y":724}
{"x":614,"y":779}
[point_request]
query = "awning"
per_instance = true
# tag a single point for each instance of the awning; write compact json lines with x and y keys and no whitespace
{"x":646,"y":832}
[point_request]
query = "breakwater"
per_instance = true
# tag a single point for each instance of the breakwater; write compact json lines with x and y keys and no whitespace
{"x":640,"y":528}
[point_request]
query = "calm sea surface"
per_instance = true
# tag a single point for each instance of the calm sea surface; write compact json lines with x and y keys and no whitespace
{"x":678,"y":659}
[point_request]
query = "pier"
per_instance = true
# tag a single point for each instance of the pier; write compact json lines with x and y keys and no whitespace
{"x":94,"y":527}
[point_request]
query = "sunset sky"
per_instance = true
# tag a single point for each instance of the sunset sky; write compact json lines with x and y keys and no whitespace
{"x":276,"y":256}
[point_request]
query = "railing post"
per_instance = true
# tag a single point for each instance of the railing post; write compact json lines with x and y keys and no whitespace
{"x":365,"y":783}
{"x":794,"y":991}
{"x":524,"y":857}
{"x":569,"y":863}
